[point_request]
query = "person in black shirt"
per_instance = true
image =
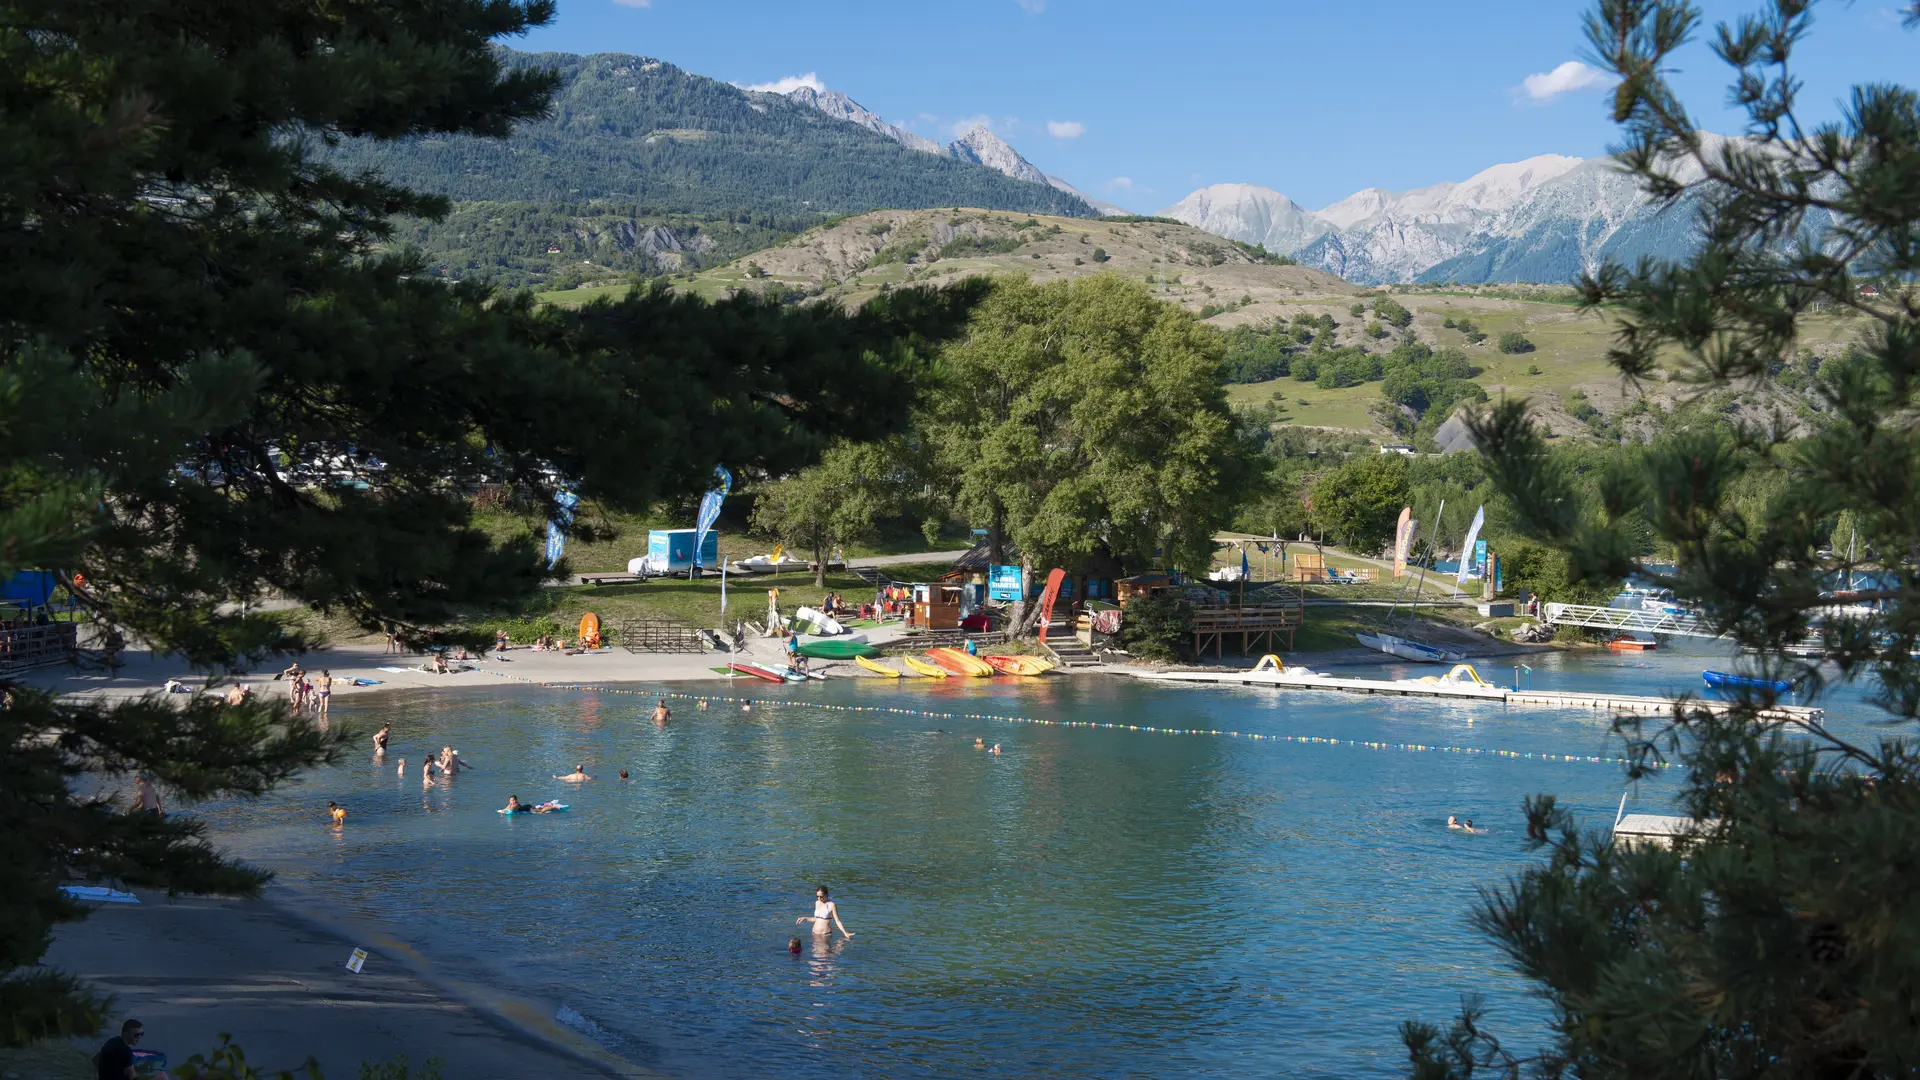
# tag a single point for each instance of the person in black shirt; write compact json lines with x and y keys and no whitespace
{"x":115,"y":1059}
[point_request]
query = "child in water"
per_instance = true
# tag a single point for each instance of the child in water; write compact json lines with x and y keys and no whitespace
{"x":793,"y":945}
{"x":339,"y":813}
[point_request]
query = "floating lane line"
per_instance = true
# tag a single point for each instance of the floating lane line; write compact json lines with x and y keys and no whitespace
{"x":1148,"y":729}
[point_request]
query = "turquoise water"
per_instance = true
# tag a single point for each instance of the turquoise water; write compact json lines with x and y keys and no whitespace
{"x":1089,"y":903}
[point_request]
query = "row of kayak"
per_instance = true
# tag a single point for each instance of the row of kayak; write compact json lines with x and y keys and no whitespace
{"x":939,"y":664}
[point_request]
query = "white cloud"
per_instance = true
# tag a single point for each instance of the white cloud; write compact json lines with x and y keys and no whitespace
{"x":1032,"y":7}
{"x":634,"y":3}
{"x":1565,"y":79}
{"x":1121,"y":183}
{"x":789,"y":84}
{"x":1066,"y":129}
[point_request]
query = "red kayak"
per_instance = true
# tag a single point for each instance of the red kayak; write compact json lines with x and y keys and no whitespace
{"x":756,"y":672}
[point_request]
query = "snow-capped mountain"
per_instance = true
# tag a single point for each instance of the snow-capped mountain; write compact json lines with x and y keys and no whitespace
{"x":1252,"y":214}
{"x":1547,"y":218}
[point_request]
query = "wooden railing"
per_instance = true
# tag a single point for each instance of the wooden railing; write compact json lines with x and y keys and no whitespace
{"x":37,"y":646}
{"x":1253,"y":622}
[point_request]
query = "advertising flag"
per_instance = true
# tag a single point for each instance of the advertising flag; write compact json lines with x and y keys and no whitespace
{"x":1468,"y":552}
{"x":710,"y":509}
{"x":1402,"y":540}
{"x":558,"y":526}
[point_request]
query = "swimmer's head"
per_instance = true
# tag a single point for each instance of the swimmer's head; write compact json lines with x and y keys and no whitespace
{"x":821,"y":892}
{"x":623,"y":774}
{"x":793,"y":945}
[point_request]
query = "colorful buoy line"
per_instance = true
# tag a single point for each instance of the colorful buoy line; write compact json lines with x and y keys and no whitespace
{"x":1147,"y":729}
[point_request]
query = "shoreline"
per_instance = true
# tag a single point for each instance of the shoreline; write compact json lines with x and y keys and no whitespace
{"x":272,"y":972}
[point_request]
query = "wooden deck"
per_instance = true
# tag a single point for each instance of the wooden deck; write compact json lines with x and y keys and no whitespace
{"x":1256,"y":624}
{"x":37,"y":646}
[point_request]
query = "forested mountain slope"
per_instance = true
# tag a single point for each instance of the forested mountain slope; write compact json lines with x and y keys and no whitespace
{"x":644,"y":133}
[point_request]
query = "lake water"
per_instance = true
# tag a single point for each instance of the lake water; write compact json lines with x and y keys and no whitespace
{"x":1089,"y":903}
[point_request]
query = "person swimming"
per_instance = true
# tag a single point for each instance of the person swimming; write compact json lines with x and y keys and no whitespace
{"x":793,"y":945}
{"x":578,"y":774}
{"x":825,"y":912}
{"x":979,"y":744}
{"x":1454,"y":822}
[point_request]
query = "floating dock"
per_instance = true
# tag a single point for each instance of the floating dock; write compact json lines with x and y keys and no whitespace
{"x":1467,"y":690}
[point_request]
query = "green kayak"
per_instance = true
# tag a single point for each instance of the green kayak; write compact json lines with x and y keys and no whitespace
{"x":837,"y":650}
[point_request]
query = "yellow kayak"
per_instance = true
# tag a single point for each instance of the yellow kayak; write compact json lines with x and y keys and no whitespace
{"x":876,"y":666}
{"x":921,"y":667}
{"x":958,"y":662}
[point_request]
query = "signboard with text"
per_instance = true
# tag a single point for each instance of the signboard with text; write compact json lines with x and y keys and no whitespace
{"x":1005,"y":583}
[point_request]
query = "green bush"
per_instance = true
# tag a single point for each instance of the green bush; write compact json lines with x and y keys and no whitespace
{"x":962,"y":246}
{"x":1533,"y":369}
{"x":1357,"y":310}
{"x":1158,"y":628}
{"x":1513,"y":341}
{"x":1100,"y":255}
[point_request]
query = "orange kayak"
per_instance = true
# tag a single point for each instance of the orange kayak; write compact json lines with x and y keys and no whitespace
{"x":958,"y":662}
{"x":1017,"y":665}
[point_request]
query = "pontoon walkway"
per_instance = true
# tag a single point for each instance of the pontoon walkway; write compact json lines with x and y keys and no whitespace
{"x":1470,"y":689}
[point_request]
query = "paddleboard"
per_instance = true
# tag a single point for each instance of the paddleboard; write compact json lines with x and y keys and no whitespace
{"x":553,"y":810}
{"x":786,"y":673}
{"x":757,"y":672}
{"x":827,"y":624}
{"x":589,"y":627}
{"x":877,"y":668}
{"x":921,"y":667}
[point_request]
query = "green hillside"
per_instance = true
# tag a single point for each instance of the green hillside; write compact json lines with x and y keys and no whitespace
{"x":1296,"y":349}
{"x":645,"y":135}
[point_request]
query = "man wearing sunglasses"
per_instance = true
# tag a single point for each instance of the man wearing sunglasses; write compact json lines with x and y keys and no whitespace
{"x":115,"y":1059}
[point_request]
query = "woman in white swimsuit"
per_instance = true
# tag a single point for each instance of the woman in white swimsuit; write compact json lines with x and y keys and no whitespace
{"x":825,"y":911}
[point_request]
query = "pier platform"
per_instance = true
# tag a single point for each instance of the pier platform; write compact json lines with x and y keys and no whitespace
{"x":1466,"y":690}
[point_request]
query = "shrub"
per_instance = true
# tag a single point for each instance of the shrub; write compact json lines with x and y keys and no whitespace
{"x":1513,"y":341}
{"x":1447,"y":322}
{"x":1100,"y":255}
{"x":1357,"y":310}
{"x":1158,"y":628}
{"x":1533,"y":369}
{"x":1392,"y":313}
{"x":1375,"y":330}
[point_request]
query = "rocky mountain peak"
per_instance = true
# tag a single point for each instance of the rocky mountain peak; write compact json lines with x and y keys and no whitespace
{"x":982,"y":147}
{"x":841,"y":107}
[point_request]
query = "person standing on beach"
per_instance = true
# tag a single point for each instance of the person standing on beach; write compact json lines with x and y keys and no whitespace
{"x":825,"y":912}
{"x":325,"y":692}
{"x":237,"y":695}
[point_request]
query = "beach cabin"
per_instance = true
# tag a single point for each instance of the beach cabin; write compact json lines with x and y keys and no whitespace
{"x":936,"y":606}
{"x":1152,"y":583}
{"x":669,"y":550}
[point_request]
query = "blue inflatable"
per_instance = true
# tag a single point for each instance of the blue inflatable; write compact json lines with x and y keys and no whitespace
{"x":1720,"y":680}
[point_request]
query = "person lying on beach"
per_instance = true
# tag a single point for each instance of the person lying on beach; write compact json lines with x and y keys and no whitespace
{"x":578,"y":774}
{"x":175,"y":686}
{"x":515,"y":806}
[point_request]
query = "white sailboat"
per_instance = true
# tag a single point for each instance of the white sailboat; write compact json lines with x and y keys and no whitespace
{"x":1408,"y":648}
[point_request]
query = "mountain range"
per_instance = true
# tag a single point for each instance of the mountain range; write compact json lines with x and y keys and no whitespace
{"x":646,"y":134}
{"x":979,"y":146}
{"x":1545,"y":219}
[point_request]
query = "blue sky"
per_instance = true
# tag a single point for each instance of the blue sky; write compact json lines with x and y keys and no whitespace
{"x":1140,"y":102}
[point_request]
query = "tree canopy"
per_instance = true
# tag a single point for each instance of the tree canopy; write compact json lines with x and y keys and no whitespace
{"x":1083,"y":417}
{"x":1784,"y":940}
{"x":214,"y":387}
